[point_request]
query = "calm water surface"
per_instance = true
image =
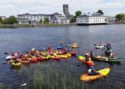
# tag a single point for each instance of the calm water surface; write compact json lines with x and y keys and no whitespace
{"x":23,"y":39}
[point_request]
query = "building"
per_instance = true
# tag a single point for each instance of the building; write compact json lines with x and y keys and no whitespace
{"x":111,"y":19}
{"x":32,"y":18}
{"x":57,"y":18}
{"x":3,"y":17}
{"x":66,"y":11}
{"x":91,"y":19}
{"x":23,"y":20}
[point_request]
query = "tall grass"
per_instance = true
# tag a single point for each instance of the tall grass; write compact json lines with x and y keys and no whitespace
{"x":1,"y":87}
{"x":50,"y":76}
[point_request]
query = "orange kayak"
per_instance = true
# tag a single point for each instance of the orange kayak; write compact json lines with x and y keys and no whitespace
{"x":103,"y":73}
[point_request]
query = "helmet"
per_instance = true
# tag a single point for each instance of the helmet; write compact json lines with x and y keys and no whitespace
{"x":33,"y":49}
{"x":87,"y":55}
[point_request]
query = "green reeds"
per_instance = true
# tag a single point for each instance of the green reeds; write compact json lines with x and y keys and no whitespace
{"x":55,"y":76}
{"x":1,"y":87}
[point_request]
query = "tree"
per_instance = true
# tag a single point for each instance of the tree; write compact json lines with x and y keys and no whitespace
{"x":12,"y":20}
{"x":78,"y":13}
{"x":1,"y":20}
{"x":46,"y":21}
{"x":120,"y":17}
{"x":73,"y":19}
{"x":5,"y":21}
{"x":100,"y":11}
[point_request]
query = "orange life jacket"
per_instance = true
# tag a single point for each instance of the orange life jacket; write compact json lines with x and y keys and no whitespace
{"x":90,"y":63}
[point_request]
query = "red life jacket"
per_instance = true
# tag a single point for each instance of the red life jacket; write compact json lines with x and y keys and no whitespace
{"x":90,"y":63}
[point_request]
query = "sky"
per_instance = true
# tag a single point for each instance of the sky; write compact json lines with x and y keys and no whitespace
{"x":14,"y":7}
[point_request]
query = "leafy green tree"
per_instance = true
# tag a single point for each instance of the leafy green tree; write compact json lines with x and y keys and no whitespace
{"x":1,"y":20}
{"x":100,"y":11}
{"x":5,"y":21}
{"x":73,"y":19}
{"x":12,"y":20}
{"x":46,"y":21}
{"x":120,"y":17}
{"x":78,"y":13}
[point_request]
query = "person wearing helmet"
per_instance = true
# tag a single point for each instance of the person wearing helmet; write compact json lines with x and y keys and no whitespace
{"x":90,"y":63}
{"x":109,"y":53}
{"x":108,"y":46}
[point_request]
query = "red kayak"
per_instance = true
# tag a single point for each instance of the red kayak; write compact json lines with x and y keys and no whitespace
{"x":73,"y":54}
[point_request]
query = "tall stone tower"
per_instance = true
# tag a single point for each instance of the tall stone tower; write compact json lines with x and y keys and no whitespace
{"x":66,"y":10}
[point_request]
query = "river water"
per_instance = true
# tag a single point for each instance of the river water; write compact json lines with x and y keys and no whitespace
{"x":23,"y":39}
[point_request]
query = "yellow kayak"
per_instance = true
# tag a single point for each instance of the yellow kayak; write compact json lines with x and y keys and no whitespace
{"x":103,"y":73}
{"x":68,"y":54}
{"x":63,"y":56}
{"x":74,"y":46}
{"x":81,"y":58}
{"x":16,"y":64}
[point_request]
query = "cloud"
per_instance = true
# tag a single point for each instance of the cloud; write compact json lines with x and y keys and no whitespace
{"x":14,"y":7}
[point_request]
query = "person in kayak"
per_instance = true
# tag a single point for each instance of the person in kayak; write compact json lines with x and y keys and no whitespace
{"x":74,"y":44}
{"x":108,"y":46}
{"x":109,"y":53}
{"x":50,"y":50}
{"x":90,"y":63}
{"x":92,"y":54}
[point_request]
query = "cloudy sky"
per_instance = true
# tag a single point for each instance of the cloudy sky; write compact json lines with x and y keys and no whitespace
{"x":14,"y":7}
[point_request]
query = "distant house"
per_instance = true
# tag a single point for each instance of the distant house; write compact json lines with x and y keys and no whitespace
{"x":57,"y":18}
{"x":32,"y":18}
{"x":111,"y":19}
{"x":23,"y":20}
{"x":91,"y":19}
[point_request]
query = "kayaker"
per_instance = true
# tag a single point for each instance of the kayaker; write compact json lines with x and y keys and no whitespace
{"x":60,"y":46}
{"x":109,"y":53}
{"x":65,"y":50}
{"x":108,"y":46}
{"x":92,"y":54}
{"x":74,"y":44}
{"x":90,"y":63}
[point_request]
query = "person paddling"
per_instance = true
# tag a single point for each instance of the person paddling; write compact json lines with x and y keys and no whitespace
{"x":90,"y":63}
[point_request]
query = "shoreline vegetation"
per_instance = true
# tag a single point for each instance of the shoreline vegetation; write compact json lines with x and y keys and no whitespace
{"x":41,"y":25}
{"x":48,"y":76}
{"x":33,"y":25}
{"x":1,"y":87}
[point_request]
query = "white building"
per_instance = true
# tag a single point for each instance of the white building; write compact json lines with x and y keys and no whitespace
{"x":23,"y":20}
{"x":32,"y":18}
{"x":57,"y":18}
{"x":91,"y":19}
{"x":111,"y":19}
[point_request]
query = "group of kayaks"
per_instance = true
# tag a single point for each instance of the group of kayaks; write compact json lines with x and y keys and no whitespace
{"x":103,"y":72}
{"x":86,"y":77}
{"x":34,"y":56}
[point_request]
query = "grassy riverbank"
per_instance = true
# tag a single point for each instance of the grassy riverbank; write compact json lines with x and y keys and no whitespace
{"x":51,"y":76}
{"x":30,"y":25}
{"x":1,"y":87}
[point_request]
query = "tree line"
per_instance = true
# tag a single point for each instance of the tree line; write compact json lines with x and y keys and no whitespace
{"x":9,"y":20}
{"x":13,"y":20}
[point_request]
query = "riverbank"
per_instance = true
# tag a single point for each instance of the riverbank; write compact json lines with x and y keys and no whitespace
{"x":32,"y":25}
{"x":43,"y":25}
